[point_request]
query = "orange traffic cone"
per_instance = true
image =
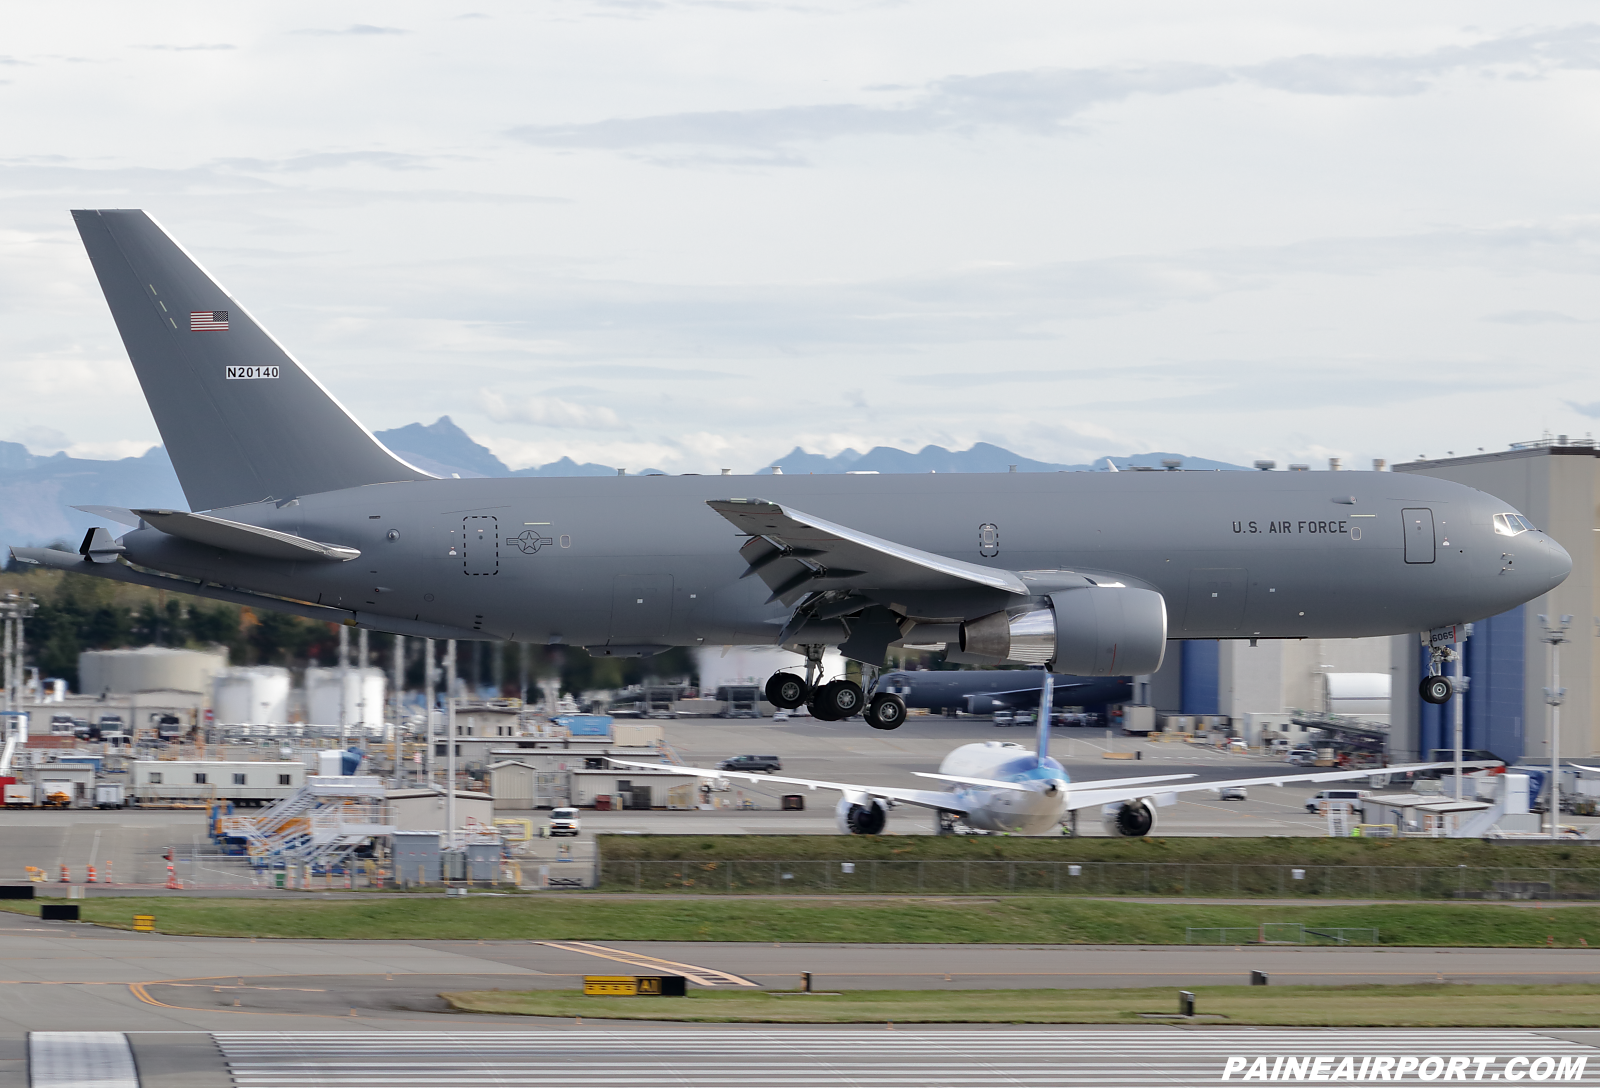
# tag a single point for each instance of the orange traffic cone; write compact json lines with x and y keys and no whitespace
{"x":108,"y":879}
{"x":66,"y":877}
{"x":92,"y":878}
{"x":172,"y":878}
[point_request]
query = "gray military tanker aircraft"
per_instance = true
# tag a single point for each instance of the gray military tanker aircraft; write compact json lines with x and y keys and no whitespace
{"x":297,"y":507}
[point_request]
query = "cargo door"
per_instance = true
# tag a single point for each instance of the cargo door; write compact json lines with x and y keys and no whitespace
{"x":641,"y":608}
{"x":1419,"y":534}
{"x":1216,"y":600}
{"x":480,"y":545}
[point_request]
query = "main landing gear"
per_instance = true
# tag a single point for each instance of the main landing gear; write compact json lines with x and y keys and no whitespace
{"x":835,"y":700}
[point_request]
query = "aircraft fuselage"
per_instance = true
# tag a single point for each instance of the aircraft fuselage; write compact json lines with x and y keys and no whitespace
{"x":642,"y":561}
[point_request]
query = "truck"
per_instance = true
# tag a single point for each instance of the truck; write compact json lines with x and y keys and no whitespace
{"x":108,"y":796}
{"x":168,"y":727}
{"x":18,"y":795}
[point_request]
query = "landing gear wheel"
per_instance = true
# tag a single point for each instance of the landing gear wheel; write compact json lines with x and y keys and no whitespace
{"x":1435,"y":689}
{"x":886,"y":712}
{"x":837,"y":700}
{"x":786,"y":691}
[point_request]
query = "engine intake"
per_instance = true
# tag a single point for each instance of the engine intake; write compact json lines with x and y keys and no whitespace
{"x":858,"y":819}
{"x":1091,"y":631}
{"x":1129,"y":820}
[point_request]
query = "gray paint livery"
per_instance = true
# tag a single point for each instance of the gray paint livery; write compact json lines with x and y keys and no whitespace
{"x":632,"y":564}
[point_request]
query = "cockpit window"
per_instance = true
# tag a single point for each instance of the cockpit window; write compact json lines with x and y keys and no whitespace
{"x":1512,"y":524}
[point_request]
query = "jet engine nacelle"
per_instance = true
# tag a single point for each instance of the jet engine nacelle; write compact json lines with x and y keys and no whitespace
{"x":982,"y":704}
{"x":859,"y":819}
{"x":1129,"y":820}
{"x":1091,"y":631}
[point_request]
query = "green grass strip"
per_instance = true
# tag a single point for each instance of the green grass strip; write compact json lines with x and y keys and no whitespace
{"x":1018,"y":920}
{"x":1417,"y":1006}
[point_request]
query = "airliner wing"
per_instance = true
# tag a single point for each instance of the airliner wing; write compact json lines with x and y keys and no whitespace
{"x":934,"y":799}
{"x":795,"y":552}
{"x":1090,"y":796}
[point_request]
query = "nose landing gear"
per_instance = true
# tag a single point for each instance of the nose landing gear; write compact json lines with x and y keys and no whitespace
{"x":1436,"y":687}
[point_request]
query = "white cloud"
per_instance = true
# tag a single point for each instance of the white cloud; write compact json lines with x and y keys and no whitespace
{"x":1068,"y":230}
{"x":549,"y":412}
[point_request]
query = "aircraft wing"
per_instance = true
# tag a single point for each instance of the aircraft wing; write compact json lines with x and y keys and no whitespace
{"x":1090,"y":797}
{"x":934,"y":799}
{"x":795,"y":552}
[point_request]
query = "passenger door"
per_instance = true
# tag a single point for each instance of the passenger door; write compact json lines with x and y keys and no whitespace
{"x":1419,"y":534}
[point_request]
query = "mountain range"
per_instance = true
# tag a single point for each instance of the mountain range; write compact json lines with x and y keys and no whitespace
{"x":37,"y":493}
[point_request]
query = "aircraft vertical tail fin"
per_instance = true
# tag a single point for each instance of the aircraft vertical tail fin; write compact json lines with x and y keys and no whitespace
{"x":242,"y":420}
{"x":1046,"y":697}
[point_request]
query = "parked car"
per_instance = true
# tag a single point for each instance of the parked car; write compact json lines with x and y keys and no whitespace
{"x":563,"y":821}
{"x":769,"y":764}
{"x":1301,"y":757}
{"x":1233,"y":793}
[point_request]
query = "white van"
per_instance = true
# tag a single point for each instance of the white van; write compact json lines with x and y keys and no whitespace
{"x":563,"y":821}
{"x":1319,"y":803}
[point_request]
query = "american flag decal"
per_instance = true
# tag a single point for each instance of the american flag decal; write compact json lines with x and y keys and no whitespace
{"x":208,"y":321}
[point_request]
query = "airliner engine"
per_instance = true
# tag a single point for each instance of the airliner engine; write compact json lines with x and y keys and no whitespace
{"x":1129,"y":820}
{"x":859,"y":819}
{"x":1091,"y":631}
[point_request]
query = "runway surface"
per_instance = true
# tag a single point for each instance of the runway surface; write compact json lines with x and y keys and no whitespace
{"x":96,"y":979}
{"x":799,"y":1057}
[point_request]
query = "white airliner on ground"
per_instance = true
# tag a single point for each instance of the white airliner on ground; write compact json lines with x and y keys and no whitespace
{"x":1002,"y":786}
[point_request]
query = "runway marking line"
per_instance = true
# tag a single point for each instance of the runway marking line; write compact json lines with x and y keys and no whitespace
{"x":696,"y":975}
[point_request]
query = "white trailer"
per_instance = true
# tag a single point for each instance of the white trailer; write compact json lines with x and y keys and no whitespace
{"x":248,"y":784}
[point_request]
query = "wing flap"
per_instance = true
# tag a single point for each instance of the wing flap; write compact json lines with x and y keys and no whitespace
{"x":1090,"y":796}
{"x":934,"y":799}
{"x":794,"y":553}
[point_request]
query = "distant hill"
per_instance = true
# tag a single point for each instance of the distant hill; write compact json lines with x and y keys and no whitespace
{"x":982,"y":457}
{"x":444,"y":449}
{"x":37,"y":493}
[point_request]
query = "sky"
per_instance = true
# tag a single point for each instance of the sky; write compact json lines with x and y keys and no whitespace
{"x":695,"y":235}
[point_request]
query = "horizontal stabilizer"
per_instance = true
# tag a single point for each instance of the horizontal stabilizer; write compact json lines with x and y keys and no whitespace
{"x":235,"y":536}
{"x":118,"y":514}
{"x":51,"y":559}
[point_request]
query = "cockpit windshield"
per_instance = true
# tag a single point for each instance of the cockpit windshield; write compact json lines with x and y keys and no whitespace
{"x":1512,"y":524}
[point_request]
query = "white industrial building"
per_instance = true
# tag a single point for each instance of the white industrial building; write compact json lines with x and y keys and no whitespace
{"x":258,"y":695}
{"x":364,"y":691}
{"x":148,"y":669}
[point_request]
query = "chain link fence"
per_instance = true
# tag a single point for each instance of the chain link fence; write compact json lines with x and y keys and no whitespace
{"x":1205,"y":880}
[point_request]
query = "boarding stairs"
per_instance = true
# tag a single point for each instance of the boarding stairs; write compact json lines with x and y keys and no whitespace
{"x":319,"y":824}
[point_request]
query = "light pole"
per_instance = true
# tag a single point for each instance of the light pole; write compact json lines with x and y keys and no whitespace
{"x":344,"y":685}
{"x":1459,"y":697}
{"x":1555,"y":634}
{"x":399,"y":700}
{"x":450,"y":741}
